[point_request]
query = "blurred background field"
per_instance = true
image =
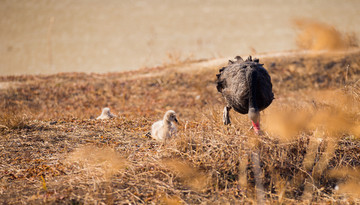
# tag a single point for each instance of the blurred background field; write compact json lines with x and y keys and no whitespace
{"x":43,"y":37}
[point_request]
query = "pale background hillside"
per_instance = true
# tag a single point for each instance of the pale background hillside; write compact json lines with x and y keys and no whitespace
{"x":102,"y":36}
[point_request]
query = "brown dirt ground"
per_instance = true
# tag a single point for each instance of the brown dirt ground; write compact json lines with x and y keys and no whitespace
{"x":54,"y":151}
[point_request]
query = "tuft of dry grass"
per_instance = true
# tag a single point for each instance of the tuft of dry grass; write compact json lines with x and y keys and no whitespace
{"x":192,"y":177}
{"x":103,"y":160}
{"x":314,"y":35}
{"x":13,"y":120}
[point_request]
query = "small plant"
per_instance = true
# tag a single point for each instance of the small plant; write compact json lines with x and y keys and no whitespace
{"x":13,"y":121}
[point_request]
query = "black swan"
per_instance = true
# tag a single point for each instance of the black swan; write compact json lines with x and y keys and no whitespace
{"x":246,"y":87}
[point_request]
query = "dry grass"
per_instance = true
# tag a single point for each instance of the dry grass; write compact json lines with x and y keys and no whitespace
{"x":314,"y":35}
{"x":54,"y":151}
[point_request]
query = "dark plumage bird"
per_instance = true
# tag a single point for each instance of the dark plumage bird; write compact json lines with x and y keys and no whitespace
{"x":246,"y":87}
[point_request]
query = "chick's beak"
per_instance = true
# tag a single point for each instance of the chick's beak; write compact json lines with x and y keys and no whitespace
{"x":175,"y":119}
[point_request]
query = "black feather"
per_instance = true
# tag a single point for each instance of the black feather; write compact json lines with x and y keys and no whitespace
{"x":220,"y":85}
{"x":238,"y":58}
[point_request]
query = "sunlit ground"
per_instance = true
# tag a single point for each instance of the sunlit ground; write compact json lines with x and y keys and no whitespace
{"x":54,"y":150}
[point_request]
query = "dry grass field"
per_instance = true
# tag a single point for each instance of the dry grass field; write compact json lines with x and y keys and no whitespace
{"x":53,"y":151}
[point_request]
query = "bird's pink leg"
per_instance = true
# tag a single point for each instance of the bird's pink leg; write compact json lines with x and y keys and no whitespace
{"x":255,"y":119}
{"x":256,"y":127}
